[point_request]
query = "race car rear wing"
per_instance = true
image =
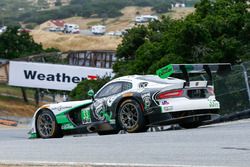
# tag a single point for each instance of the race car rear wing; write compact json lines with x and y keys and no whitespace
{"x":186,"y":69}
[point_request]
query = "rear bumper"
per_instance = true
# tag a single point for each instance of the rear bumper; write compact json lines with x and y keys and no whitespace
{"x":205,"y":115}
{"x":185,"y":104}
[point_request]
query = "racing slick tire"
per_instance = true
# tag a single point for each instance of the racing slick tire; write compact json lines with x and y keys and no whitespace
{"x":130,"y":117}
{"x":190,"y":125}
{"x":47,"y":126}
{"x":110,"y":132}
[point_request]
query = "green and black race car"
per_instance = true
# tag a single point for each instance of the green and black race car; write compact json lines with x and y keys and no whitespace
{"x":135,"y":103}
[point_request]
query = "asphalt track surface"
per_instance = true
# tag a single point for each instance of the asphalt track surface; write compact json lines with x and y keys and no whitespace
{"x":225,"y":144}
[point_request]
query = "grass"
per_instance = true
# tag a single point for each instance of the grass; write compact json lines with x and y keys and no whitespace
{"x":66,"y":42}
{"x":180,"y":13}
{"x":15,"y":91}
{"x":89,"y":24}
{"x":12,"y":106}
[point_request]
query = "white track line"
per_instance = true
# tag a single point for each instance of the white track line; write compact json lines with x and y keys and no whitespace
{"x":81,"y":164}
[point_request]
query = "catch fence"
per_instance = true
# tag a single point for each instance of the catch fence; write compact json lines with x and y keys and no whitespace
{"x":232,"y":90}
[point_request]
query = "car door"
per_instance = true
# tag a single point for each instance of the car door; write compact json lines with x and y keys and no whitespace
{"x":99,"y":106}
{"x":103,"y":99}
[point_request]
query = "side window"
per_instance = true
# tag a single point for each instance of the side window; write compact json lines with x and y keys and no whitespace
{"x":110,"y":89}
{"x":126,"y":86}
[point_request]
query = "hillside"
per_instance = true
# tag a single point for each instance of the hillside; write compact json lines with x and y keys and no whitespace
{"x":67,"y":42}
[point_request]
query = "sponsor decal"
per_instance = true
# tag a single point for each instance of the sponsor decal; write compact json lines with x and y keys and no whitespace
{"x":168,"y":108}
{"x":60,"y":108}
{"x":99,"y":107}
{"x":92,"y":77}
{"x":146,"y":99}
{"x":51,"y":76}
{"x":213,"y":104}
{"x":112,"y":121}
{"x":68,"y":126}
{"x":165,"y":71}
{"x":164,"y":102}
{"x":85,"y":115}
{"x":106,"y":115}
{"x":58,"y":77}
{"x":101,"y":112}
{"x":111,"y":100}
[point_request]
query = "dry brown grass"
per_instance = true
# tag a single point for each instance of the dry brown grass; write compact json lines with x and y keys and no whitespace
{"x":180,"y":13}
{"x":15,"y":107}
{"x":67,"y":42}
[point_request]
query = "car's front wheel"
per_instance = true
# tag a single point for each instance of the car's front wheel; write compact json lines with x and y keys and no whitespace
{"x":130,"y":116}
{"x":47,"y":126}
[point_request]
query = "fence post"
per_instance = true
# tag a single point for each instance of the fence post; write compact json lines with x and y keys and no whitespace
{"x":246,"y":81}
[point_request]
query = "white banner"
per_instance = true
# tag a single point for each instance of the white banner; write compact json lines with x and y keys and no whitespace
{"x":51,"y":76}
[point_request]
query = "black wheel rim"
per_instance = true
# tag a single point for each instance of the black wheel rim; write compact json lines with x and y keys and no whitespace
{"x":129,"y":116}
{"x":45,"y":125}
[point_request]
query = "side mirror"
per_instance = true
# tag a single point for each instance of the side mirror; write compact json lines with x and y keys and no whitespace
{"x":91,"y":93}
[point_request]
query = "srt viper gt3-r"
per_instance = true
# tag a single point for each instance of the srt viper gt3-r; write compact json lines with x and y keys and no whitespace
{"x":135,"y":103}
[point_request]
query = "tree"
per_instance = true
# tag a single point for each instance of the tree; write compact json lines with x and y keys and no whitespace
{"x":80,"y":92}
{"x":131,"y":42}
{"x":15,"y":44}
{"x":218,"y":31}
{"x":162,"y":7}
{"x":42,"y":3}
{"x":58,"y":3}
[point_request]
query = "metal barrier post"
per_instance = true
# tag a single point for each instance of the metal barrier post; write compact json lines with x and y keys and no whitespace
{"x":246,"y":81}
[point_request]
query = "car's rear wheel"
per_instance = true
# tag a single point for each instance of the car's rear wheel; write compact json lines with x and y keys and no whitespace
{"x":130,"y":116}
{"x":190,"y":125}
{"x":47,"y":126}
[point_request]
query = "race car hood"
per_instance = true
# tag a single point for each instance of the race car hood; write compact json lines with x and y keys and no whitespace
{"x":58,"y":108}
